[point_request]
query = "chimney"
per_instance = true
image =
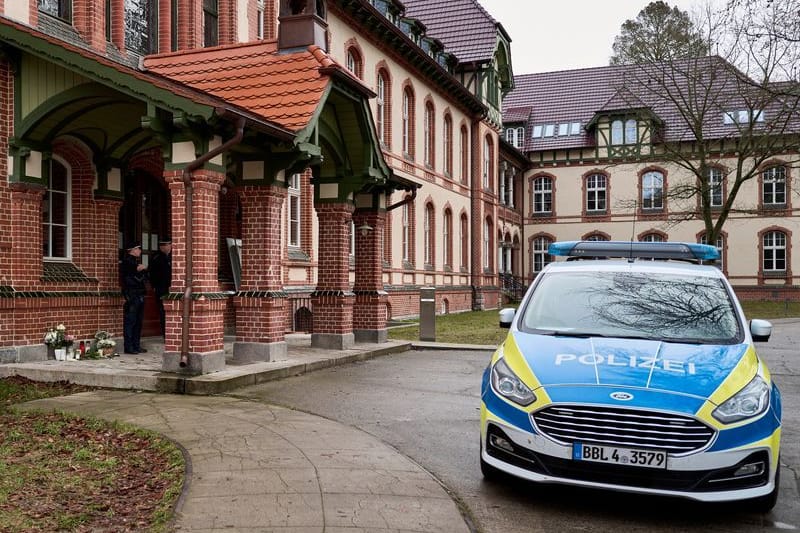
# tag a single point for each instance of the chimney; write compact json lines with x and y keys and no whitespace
{"x":302,"y":23}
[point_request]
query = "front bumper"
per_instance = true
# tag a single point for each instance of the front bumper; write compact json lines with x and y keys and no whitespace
{"x":704,"y":476}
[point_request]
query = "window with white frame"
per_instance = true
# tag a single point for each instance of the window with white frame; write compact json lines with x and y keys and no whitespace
{"x":715,"y":186}
{"x":596,"y":237}
{"x":774,"y":252}
{"x":464,"y":154}
{"x":464,"y":240}
{"x":406,"y":237}
{"x":429,"y":135}
{"x":381,"y":122}
{"x":652,"y":237}
{"x":429,"y":234}
{"x":652,"y":190}
{"x":260,"y":19}
{"x":487,"y":163}
{"x":408,"y":122}
{"x":596,"y":193}
{"x":57,"y":213}
{"x":543,"y":195}
{"x":774,"y":186}
{"x":447,"y":138}
{"x":631,"y":133}
{"x":294,"y":198}
{"x":353,"y":62}
{"x":487,"y":244}
{"x":447,"y":234}
{"x":539,"y":256}
{"x":617,"y":132}
{"x":352,"y":238}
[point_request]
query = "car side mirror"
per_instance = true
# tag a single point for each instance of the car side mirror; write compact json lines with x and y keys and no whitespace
{"x":760,"y":330}
{"x":507,"y":316}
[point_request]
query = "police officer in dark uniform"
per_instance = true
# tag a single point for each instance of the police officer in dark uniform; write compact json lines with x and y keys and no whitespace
{"x":161,"y":276}
{"x":133,"y":275}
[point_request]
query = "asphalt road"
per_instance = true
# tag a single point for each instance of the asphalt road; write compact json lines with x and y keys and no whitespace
{"x":425,"y":403}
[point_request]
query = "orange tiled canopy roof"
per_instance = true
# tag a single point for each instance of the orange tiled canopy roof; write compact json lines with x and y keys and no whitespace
{"x":283,"y":88}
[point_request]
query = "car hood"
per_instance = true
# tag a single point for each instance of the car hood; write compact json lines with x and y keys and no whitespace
{"x":691,"y":369}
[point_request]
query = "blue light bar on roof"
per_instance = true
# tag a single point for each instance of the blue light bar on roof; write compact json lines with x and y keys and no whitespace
{"x":630,"y":250}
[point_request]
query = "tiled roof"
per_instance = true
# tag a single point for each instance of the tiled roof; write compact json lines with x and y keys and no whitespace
{"x":517,"y":114}
{"x":578,"y":95}
{"x":284,"y":88}
{"x":464,"y":27}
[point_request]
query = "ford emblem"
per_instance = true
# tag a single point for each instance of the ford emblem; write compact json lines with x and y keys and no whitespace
{"x":621,"y":396}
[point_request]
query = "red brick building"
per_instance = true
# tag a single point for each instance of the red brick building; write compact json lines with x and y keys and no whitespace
{"x":280,"y":144}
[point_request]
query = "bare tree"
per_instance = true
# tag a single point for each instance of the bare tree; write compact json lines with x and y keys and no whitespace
{"x":716,"y":120}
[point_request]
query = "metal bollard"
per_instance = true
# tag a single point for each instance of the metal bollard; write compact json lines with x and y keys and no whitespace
{"x":427,"y":314}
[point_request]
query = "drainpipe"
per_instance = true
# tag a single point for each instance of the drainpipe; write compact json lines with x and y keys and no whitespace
{"x":404,"y":201}
{"x":189,"y":220}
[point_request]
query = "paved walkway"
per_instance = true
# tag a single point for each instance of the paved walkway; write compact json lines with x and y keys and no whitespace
{"x":253,"y":467}
{"x":256,"y":467}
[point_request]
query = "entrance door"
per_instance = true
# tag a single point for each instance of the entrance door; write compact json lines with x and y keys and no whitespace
{"x":145,"y":217}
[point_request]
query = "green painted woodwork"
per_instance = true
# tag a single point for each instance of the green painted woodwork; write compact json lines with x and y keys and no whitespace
{"x":41,"y":80}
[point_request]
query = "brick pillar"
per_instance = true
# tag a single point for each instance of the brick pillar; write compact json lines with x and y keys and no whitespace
{"x":332,"y":300}
{"x":260,"y":303}
{"x":207,"y":311}
{"x":369,"y":312}
{"x":26,"y":235}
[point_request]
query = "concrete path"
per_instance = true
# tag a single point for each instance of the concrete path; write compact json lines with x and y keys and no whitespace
{"x":255,"y":467}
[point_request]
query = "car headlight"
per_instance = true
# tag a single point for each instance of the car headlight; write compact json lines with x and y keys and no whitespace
{"x":509,"y":386}
{"x":751,"y":401}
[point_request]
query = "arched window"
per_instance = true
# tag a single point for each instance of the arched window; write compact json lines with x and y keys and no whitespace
{"x":406,"y":234}
{"x":464,"y":154}
{"x":652,"y":190}
{"x":447,"y":137}
{"x":464,"y":239}
{"x":408,"y":122}
{"x":652,"y":237}
{"x":354,"y":63}
{"x":543,"y":195}
{"x":383,"y":108}
{"x":447,"y":238}
{"x":487,"y":162}
{"x":487,"y":245}
{"x":720,"y":246}
{"x":430,"y":135}
{"x":596,"y":237}
{"x":57,"y":213}
{"x":539,"y":256}
{"x":773,"y":259}
{"x":430,"y":235}
{"x":294,"y":197}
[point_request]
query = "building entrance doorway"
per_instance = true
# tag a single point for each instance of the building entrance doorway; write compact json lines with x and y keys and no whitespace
{"x":145,"y":218}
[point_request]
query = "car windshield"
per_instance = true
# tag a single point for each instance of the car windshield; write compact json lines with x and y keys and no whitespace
{"x":659,"y":306}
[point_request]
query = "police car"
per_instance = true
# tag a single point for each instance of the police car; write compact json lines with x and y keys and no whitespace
{"x":634,"y":370}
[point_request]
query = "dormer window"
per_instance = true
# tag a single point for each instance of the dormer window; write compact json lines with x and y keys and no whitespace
{"x":624,"y":132}
{"x":742,"y":116}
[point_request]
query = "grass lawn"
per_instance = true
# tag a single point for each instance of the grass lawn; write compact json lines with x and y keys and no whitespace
{"x":481,"y":327}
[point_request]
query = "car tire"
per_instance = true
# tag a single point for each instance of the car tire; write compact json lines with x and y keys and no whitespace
{"x":764,"y":504}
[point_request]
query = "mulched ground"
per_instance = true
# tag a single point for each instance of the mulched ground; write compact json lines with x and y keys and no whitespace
{"x":63,"y":473}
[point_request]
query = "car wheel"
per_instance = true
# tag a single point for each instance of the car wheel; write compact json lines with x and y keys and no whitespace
{"x":764,"y":504}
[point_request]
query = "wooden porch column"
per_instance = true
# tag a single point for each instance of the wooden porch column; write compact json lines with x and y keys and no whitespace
{"x":369,"y":313}
{"x":332,"y":300}
{"x":260,"y":303}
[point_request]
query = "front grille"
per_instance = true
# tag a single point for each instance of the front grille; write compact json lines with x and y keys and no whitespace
{"x":627,"y":428}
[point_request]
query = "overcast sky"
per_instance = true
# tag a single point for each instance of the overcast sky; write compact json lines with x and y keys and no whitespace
{"x":564,"y":34}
